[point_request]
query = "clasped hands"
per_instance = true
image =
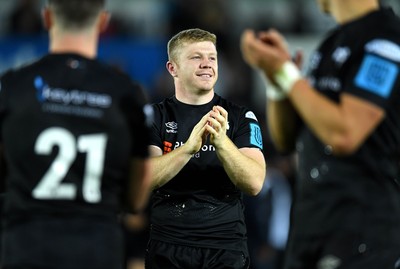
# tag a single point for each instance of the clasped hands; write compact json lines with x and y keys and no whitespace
{"x":268,"y":51}
{"x":213,"y":125}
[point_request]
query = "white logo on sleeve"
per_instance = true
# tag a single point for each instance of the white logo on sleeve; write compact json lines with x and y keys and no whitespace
{"x":251,"y":115}
{"x":384,"y":48}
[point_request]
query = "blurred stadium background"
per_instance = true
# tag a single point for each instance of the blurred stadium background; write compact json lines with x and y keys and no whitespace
{"x":136,"y":42}
{"x":136,"y":39}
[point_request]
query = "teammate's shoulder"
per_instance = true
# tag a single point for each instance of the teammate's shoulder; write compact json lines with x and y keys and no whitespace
{"x":120,"y":74}
{"x":18,"y":70}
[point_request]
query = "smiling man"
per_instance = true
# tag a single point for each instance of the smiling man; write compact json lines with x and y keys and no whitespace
{"x":202,"y":165}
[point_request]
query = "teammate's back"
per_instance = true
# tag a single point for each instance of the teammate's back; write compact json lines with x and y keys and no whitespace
{"x":74,"y":134}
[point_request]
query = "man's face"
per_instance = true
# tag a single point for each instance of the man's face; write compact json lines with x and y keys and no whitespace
{"x":197,"y":66}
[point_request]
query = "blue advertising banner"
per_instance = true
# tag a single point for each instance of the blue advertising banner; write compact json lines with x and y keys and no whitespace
{"x":142,"y":60}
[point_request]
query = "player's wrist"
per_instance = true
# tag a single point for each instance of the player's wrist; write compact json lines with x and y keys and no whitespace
{"x":274,"y":93}
{"x":287,"y":76}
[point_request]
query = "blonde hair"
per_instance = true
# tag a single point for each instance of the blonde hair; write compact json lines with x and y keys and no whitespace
{"x":188,"y":36}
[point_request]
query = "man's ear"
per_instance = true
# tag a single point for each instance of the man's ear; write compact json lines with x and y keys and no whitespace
{"x":104,"y":21}
{"x":47,"y":18}
{"x":171,"y":67}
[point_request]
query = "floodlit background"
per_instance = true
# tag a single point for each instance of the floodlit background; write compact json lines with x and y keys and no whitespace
{"x":136,"y":42}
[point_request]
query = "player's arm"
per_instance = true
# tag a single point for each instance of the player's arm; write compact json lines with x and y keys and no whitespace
{"x":283,"y":122}
{"x":282,"y":119}
{"x":139,"y":183}
{"x":167,"y":166}
{"x":2,"y":177}
{"x":344,"y":125}
{"x":245,"y":167}
{"x":3,"y":169}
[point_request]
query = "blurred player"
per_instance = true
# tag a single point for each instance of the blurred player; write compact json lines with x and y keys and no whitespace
{"x":344,"y":122}
{"x":73,"y":132}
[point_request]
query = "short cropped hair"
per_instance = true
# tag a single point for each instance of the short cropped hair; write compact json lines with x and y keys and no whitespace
{"x":188,"y":36}
{"x":76,"y":14}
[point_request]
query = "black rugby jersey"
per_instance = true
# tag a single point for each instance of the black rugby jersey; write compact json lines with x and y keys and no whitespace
{"x":200,"y":206}
{"x":69,"y":126}
{"x":361,"y":58}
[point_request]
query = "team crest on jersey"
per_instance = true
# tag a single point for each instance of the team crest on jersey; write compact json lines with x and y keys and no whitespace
{"x":377,"y":75}
{"x":172,"y":127}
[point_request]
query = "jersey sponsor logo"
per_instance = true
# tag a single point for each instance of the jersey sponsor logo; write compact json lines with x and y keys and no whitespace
{"x":250,"y":115}
{"x":384,"y":48}
{"x":205,"y":147}
{"x":167,"y":147}
{"x":377,"y":75}
{"x":315,"y":59}
{"x":329,"y":262}
{"x":172,"y":127}
{"x":329,"y":83}
{"x":45,"y":93}
{"x":341,"y":54}
{"x":255,"y":135}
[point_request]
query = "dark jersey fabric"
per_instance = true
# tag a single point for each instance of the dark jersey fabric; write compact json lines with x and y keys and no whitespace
{"x":69,"y":126}
{"x":200,"y":206}
{"x":361,"y":58}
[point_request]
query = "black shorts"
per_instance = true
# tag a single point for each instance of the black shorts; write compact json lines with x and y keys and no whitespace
{"x":358,"y":249}
{"x":161,"y":255}
{"x":63,"y":244}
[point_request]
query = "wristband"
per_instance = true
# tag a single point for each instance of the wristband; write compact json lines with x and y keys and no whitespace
{"x":272,"y":92}
{"x":287,"y":76}
{"x":275,"y":94}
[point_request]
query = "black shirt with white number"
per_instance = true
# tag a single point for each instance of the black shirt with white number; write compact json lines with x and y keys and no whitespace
{"x":69,"y":126}
{"x":200,"y":206}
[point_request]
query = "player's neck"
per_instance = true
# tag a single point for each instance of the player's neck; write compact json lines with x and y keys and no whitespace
{"x":353,"y":10}
{"x":198,"y":98}
{"x":83,"y":43}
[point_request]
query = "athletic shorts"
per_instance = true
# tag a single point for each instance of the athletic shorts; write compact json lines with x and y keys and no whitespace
{"x":161,"y":255}
{"x":63,"y":244}
{"x":362,"y":249}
